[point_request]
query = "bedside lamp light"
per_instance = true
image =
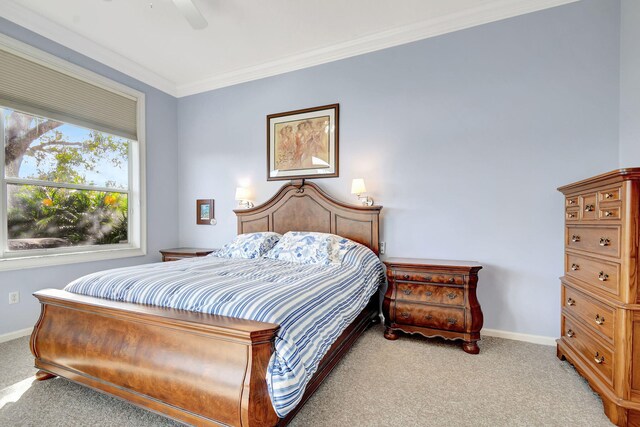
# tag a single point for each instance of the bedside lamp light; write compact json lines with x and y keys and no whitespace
{"x":358,"y":188}
{"x":242,"y":196}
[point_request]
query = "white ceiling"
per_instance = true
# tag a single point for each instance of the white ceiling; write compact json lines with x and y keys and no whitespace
{"x":245,"y":39}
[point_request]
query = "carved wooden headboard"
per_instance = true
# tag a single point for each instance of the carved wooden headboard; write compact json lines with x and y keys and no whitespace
{"x":301,"y":206}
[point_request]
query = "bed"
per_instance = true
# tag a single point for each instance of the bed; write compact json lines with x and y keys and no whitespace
{"x":196,"y":368}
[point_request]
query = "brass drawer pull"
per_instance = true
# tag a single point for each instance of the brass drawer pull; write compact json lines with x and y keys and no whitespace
{"x":602,"y":276}
{"x":452,"y":295}
{"x":452,"y":321}
{"x":575,"y":267}
{"x":404,"y":315}
{"x":598,"y":359}
{"x":575,"y":238}
{"x":608,"y":213}
{"x":599,"y":319}
{"x":571,"y":301}
{"x":570,"y":333}
{"x":452,"y":280}
{"x":608,"y":195}
{"x":589,"y":208}
{"x":571,"y":215}
{"x":407,"y":291}
{"x":604,"y":241}
{"x":406,"y":276}
{"x":571,"y":201}
{"x":428,"y":293}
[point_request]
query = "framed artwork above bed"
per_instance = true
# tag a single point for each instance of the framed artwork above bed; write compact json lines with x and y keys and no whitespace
{"x":303,"y":143}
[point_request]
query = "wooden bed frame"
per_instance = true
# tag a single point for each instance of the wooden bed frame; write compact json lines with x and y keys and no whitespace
{"x":196,"y":368}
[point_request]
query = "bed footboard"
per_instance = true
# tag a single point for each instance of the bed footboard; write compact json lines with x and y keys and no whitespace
{"x":196,"y":368}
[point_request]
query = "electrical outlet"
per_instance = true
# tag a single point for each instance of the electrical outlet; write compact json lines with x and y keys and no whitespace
{"x":14,"y":297}
{"x":383,"y":248}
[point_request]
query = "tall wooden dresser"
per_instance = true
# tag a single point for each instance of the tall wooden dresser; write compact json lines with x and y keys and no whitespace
{"x":600,"y":320}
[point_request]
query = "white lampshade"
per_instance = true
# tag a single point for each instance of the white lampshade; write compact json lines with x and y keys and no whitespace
{"x":242,"y":193}
{"x":357,"y":186}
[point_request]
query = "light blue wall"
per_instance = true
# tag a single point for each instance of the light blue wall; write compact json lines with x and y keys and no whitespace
{"x":162,"y":190}
{"x":630,"y":83}
{"x":463,"y":138}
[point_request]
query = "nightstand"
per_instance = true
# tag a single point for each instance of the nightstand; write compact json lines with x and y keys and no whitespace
{"x":433,"y":298}
{"x":175,"y":254}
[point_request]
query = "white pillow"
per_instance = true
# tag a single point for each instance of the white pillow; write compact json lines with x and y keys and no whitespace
{"x":338,"y":248}
{"x":306,"y":247}
{"x":249,"y":245}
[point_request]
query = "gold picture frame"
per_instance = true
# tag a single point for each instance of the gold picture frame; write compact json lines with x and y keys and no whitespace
{"x":303,"y":143}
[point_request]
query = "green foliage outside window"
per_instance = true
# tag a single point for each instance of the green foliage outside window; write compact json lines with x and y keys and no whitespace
{"x":52,"y":151}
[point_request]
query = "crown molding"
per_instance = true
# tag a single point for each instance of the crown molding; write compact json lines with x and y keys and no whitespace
{"x":72,"y":40}
{"x":492,"y":11}
{"x":489,"y":12}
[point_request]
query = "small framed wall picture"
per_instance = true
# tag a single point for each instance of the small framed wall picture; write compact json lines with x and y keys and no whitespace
{"x":303,"y":143}
{"x":205,"y":214}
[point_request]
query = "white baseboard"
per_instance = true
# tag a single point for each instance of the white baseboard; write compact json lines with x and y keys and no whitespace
{"x":16,"y":334}
{"x":536,"y":339}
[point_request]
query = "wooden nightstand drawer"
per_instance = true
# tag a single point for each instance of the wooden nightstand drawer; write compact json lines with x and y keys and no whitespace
{"x":430,"y":293}
{"x":451,"y":319}
{"x":176,"y":254}
{"x":449,"y":279}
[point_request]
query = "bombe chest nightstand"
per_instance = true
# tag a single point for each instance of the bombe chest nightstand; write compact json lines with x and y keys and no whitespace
{"x":433,"y":298}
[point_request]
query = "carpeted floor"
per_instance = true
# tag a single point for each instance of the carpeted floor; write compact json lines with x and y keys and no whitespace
{"x":409,"y":382}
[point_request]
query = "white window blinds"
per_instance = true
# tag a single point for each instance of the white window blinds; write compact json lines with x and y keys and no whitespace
{"x":32,"y":87}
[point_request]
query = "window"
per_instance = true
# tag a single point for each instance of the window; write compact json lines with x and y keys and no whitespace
{"x":71,"y":183}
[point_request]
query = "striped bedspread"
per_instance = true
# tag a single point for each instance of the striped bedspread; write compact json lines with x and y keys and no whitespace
{"x":313,"y":304}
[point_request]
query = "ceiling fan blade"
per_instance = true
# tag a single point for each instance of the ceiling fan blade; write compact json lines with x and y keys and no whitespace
{"x":191,"y":12}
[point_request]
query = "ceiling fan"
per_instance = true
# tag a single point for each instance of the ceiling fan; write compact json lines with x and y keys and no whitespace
{"x":191,"y":12}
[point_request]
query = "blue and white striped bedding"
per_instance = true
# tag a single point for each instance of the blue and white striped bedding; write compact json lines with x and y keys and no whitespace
{"x":313,"y":304}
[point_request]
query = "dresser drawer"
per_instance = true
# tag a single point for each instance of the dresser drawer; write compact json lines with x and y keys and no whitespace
{"x":429,"y":293}
{"x":599,"y":274}
{"x":609,"y":212}
{"x":609,"y":195}
{"x":419,"y":276}
{"x":592,"y":313}
{"x":589,"y":206}
{"x":451,"y":319}
{"x":598,"y":355}
{"x":572,"y":214}
{"x":598,"y":240}
{"x":572,"y":202}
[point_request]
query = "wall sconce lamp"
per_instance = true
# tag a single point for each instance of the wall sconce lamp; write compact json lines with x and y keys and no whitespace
{"x":358,"y":188}
{"x":242,"y":196}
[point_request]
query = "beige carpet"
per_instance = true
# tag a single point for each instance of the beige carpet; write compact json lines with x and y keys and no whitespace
{"x":409,"y":382}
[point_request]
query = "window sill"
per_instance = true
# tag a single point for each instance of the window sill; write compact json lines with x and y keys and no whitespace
{"x":41,"y":260}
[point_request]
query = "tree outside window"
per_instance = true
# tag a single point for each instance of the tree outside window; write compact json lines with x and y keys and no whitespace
{"x":64,"y":185}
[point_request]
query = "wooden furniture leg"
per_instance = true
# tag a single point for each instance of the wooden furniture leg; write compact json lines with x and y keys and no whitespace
{"x":390,"y":334}
{"x":44,"y":375}
{"x":471,"y":347}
